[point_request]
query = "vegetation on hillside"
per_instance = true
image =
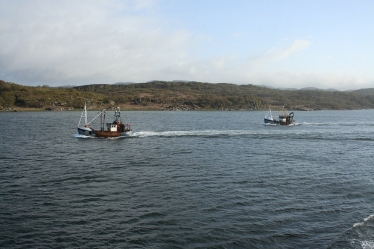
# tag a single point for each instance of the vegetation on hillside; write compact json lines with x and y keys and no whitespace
{"x":14,"y":95}
{"x":162,"y":95}
{"x":367,"y":91}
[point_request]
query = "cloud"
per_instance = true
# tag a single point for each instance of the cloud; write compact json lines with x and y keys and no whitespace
{"x":286,"y":52}
{"x":88,"y":42}
{"x":80,"y":42}
{"x":275,"y":54}
{"x":85,"y":42}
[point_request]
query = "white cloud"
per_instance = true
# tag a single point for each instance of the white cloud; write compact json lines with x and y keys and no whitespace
{"x":295,"y":47}
{"x":276,"y":54}
{"x":86,"y":42}
{"x":64,"y":41}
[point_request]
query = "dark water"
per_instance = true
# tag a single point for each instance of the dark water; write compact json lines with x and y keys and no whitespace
{"x":188,"y":180}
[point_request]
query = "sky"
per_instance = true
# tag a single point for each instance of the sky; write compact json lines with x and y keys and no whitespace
{"x":275,"y":43}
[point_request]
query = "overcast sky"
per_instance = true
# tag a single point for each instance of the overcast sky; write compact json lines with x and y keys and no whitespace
{"x":277,"y":43}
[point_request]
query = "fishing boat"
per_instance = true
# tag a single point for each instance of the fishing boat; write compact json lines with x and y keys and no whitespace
{"x":285,"y":118}
{"x":113,"y":129}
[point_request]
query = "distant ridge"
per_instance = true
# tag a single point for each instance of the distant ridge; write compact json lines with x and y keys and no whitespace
{"x":365,"y":91}
{"x":180,"y":95}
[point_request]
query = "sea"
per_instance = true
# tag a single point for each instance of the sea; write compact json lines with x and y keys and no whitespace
{"x":188,"y":179}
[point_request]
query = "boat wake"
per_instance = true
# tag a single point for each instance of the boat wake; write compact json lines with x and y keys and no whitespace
{"x":339,"y":124}
{"x":361,"y":235}
{"x":207,"y":133}
{"x":204,"y":133}
{"x":82,"y":136}
{"x":277,"y":133}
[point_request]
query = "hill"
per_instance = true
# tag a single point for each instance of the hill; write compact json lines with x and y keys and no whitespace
{"x":367,"y":91}
{"x":177,"y":95}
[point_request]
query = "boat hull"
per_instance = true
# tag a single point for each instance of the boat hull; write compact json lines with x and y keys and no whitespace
{"x":270,"y":121}
{"x":112,"y":133}
{"x":85,"y":131}
{"x":107,"y":134}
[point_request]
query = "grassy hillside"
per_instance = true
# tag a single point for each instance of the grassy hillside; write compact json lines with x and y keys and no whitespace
{"x":25,"y":97}
{"x":367,"y":91}
{"x":161,"y":95}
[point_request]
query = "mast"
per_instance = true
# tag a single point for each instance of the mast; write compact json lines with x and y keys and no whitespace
{"x":271,"y":116}
{"x":85,"y":114}
{"x":102,"y":117}
{"x":117,"y":115}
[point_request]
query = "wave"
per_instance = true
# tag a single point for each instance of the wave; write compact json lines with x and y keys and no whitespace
{"x":222,"y":133}
{"x":268,"y":133}
{"x":338,"y":123}
{"x":81,"y":136}
{"x":278,"y":132}
{"x":359,"y":236}
{"x":201,"y":133}
{"x":192,"y":133}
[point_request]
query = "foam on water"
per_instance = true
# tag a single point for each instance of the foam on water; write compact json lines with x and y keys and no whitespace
{"x":353,"y":124}
{"x":205,"y":133}
{"x":360,"y":236}
{"x":367,"y":244}
{"x":181,"y":133}
{"x":274,"y":131}
{"x":81,"y":136}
